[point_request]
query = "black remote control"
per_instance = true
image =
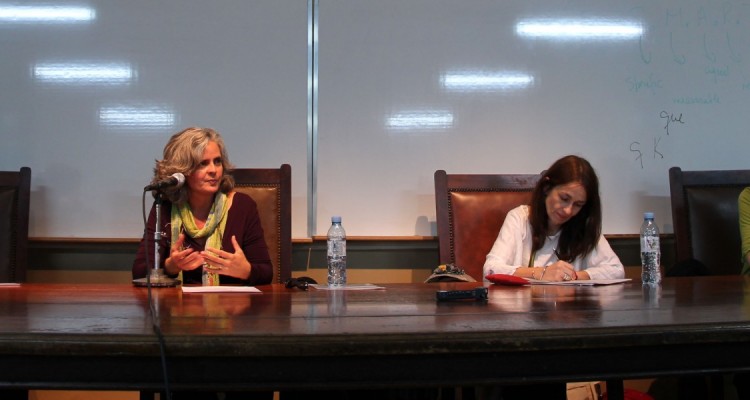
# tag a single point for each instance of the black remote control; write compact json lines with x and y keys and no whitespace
{"x":479,"y":293}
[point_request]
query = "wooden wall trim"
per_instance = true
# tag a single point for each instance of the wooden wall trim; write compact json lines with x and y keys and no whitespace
{"x":74,"y":240}
{"x":414,"y":256}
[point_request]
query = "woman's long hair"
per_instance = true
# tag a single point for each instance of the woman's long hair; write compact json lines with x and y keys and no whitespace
{"x":183,"y":153}
{"x":580,"y":234}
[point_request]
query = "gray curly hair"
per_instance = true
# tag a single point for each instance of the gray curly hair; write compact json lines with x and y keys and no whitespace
{"x":183,"y":153}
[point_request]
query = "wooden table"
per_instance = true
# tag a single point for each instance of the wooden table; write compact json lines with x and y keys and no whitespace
{"x":101,"y":336}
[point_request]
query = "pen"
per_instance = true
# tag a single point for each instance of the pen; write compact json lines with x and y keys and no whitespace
{"x":557,"y":254}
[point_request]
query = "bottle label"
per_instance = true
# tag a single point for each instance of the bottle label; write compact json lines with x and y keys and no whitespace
{"x":650,"y":243}
{"x":336,"y":248}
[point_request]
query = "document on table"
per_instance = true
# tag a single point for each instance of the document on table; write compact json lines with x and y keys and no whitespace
{"x":582,"y":282}
{"x":220,"y":289}
{"x":365,"y":286}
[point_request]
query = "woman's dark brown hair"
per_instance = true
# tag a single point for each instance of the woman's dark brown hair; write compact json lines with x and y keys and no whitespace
{"x":580,"y":234}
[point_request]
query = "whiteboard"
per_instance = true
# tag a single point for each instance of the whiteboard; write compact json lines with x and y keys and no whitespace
{"x":242,"y":68}
{"x":675,"y":94}
{"x":237,"y":66}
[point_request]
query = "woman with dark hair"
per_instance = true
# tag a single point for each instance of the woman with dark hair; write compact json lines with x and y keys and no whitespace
{"x":212,"y":234}
{"x":558,"y":236}
{"x":555,"y":238}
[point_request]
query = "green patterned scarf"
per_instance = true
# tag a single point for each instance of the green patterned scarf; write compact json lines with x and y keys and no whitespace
{"x":213,"y":230}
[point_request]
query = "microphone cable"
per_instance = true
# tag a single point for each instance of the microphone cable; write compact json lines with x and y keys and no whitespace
{"x":155,"y":324}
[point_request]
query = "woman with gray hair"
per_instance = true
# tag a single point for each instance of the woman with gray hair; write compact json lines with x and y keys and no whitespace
{"x":212,"y":234}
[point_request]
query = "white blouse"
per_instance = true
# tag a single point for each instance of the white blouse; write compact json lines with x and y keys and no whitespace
{"x":512,"y":249}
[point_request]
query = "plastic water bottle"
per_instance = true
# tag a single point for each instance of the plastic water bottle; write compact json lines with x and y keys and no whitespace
{"x":336,"y":253}
{"x":650,"y":250}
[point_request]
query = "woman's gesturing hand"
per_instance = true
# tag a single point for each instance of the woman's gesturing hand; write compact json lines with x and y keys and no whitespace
{"x":225,"y":263}
{"x":182,"y":258}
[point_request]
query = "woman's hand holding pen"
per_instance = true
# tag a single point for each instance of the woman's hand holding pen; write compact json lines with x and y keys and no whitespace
{"x":560,"y":271}
{"x":225,"y":263}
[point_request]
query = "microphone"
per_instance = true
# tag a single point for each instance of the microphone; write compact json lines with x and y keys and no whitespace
{"x":177,"y":179}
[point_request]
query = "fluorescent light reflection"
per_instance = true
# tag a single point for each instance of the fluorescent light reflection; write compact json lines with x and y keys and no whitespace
{"x":591,"y":29}
{"x":84,"y":73}
{"x":420,"y":120}
{"x":136,"y":117}
{"x":467,"y":81}
{"x":46,"y":14}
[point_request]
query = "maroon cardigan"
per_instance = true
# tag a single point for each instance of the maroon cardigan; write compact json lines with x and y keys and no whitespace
{"x":242,"y":221}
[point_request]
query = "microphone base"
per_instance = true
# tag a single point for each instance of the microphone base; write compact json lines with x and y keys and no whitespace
{"x":158,"y":279}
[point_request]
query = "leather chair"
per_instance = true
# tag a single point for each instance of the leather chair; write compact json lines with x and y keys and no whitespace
{"x":705,"y":217}
{"x":15,"y":195}
{"x":271,"y":188}
{"x":471,"y":208}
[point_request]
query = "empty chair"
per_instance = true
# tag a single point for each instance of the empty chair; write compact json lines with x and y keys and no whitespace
{"x":15,"y":194}
{"x":705,"y":217}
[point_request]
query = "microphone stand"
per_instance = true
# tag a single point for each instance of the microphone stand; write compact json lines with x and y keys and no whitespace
{"x":157,"y":277}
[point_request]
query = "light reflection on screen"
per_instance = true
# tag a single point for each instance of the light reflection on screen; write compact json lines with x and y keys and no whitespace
{"x":137,"y":117}
{"x":420,"y":120}
{"x":84,"y":73}
{"x":579,"y":29}
{"x":46,"y":14}
{"x":470,"y":81}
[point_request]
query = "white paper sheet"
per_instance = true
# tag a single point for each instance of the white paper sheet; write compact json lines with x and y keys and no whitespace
{"x":365,"y":286}
{"x":582,"y":282}
{"x":220,"y":289}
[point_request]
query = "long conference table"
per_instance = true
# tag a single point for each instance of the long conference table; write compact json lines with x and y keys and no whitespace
{"x":90,"y":336}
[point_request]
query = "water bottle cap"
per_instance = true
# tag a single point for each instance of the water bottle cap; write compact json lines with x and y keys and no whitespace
{"x":336,"y":219}
{"x":648,"y":215}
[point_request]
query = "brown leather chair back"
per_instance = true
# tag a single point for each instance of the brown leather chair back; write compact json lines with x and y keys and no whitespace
{"x":471,"y":209}
{"x":705,"y":217}
{"x":271,"y":188}
{"x":15,"y":195}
